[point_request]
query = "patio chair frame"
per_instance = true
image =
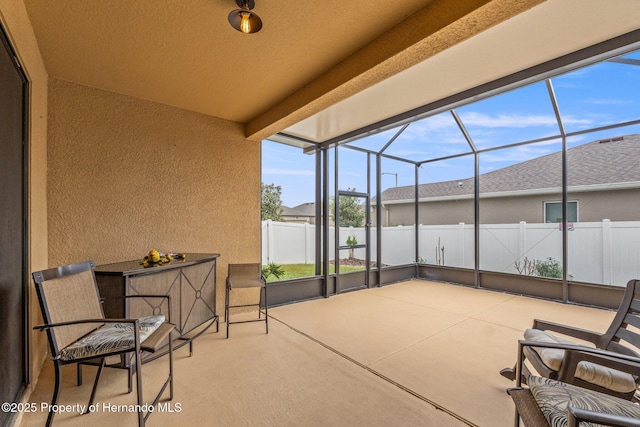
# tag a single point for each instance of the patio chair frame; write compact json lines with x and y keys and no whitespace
{"x":527,"y":408}
{"x":628,"y":314}
{"x":232,"y":283}
{"x":153,"y":343}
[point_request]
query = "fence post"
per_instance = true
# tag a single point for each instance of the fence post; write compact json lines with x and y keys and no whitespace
{"x":607,"y":255}
{"x":269,"y":242}
{"x":263,"y":243}
{"x":461,"y":230}
{"x":522,"y":239}
{"x":306,"y":242}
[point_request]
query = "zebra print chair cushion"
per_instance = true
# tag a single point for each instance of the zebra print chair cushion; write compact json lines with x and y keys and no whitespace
{"x":554,"y":397}
{"x":603,"y":376}
{"x":110,"y":337}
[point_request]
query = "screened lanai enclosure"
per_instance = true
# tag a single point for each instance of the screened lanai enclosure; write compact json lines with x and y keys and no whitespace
{"x":528,"y":184}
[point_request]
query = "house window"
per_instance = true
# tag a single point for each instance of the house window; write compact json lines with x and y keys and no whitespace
{"x":553,"y":211}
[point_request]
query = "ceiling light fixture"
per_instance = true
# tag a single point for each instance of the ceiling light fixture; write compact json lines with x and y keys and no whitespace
{"x":243,"y":19}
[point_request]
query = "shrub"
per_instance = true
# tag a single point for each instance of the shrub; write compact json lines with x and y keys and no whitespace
{"x":272,"y":269}
{"x":351,"y":241}
{"x":549,"y":268}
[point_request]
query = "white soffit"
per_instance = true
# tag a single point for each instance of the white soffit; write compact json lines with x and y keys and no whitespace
{"x":546,"y":32}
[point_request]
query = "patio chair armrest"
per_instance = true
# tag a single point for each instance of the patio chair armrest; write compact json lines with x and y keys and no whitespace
{"x":572,"y":331}
{"x":77,"y":322}
{"x":526,"y":407}
{"x":575,"y":354}
{"x":156,"y":340}
{"x":582,"y":349}
{"x":575,"y":416}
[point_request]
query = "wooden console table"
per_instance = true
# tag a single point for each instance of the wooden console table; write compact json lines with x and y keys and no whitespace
{"x":191,"y":284}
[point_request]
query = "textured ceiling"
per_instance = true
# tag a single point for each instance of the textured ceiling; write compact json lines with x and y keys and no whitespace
{"x":309,"y":55}
{"x":184,"y":52}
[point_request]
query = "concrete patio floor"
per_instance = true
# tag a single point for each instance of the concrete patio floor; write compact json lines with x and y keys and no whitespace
{"x":416,"y":353}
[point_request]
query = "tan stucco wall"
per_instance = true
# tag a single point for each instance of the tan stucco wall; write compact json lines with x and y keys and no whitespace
{"x":128,"y":175}
{"x":16,"y":23}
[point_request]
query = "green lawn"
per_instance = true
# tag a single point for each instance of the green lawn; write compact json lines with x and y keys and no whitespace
{"x":294,"y":271}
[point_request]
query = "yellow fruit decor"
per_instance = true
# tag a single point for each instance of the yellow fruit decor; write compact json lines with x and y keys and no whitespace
{"x":156,"y":259}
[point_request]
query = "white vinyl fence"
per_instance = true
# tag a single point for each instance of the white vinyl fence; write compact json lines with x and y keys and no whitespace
{"x":598,"y":252}
{"x":291,"y":243}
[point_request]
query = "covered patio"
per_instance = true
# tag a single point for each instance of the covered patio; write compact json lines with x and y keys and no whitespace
{"x":413,"y":353}
{"x":133,"y":127}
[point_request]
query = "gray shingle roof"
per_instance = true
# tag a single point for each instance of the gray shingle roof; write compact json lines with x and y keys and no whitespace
{"x":613,"y":160}
{"x":305,"y":209}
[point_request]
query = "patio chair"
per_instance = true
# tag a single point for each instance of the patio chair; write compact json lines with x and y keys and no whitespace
{"x":621,"y":337}
{"x":79,"y":332}
{"x":246,"y":276}
{"x":549,"y":402}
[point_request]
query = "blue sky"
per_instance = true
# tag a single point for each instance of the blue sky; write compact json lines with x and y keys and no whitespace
{"x":591,"y":97}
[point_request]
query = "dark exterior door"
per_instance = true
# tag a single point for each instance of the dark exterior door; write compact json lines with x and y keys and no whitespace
{"x":13,"y":344}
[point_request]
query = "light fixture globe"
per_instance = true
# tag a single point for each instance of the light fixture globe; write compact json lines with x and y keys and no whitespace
{"x":243,"y":19}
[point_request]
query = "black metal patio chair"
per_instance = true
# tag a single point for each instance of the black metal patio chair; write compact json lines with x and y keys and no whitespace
{"x":246,"y":276}
{"x":79,"y":332}
{"x":548,"y":402}
{"x":622,"y":337}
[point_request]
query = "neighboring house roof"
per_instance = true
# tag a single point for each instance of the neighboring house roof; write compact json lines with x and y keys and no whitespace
{"x":305,"y":209}
{"x":602,"y":163}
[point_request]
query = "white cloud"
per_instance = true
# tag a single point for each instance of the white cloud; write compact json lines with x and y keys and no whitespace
{"x":609,"y":101}
{"x":503,"y":120}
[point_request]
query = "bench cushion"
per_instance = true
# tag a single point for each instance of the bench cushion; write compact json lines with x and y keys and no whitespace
{"x":110,"y":337}
{"x":554,"y":397}
{"x":603,"y":376}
